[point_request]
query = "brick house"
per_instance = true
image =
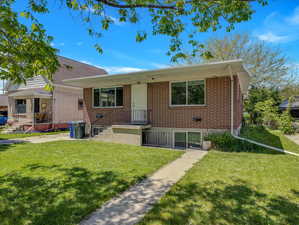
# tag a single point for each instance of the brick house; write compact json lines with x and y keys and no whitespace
{"x":172,"y":107}
{"x":32,"y":108}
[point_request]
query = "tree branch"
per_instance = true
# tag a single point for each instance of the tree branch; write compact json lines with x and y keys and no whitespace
{"x":130,"y":6}
{"x":116,"y":5}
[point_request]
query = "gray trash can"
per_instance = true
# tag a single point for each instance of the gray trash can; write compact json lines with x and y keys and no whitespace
{"x":79,"y":129}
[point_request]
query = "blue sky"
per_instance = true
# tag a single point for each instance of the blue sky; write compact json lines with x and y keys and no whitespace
{"x":276,"y":24}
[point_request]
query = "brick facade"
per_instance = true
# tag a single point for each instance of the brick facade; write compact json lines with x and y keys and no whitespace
{"x":119,"y":115}
{"x":214,"y":115}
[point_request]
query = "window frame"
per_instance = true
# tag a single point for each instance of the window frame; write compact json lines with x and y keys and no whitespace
{"x":187,"y":105}
{"x":23,"y":99}
{"x":107,"y":107}
{"x":187,"y":138}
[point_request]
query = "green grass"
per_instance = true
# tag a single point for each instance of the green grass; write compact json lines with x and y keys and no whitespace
{"x":270,"y":137}
{"x":258,"y":188}
{"x":59,"y":183}
{"x":23,"y":135}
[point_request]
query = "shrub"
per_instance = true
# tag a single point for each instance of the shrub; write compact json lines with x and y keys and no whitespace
{"x":269,"y":113}
{"x":286,"y":123}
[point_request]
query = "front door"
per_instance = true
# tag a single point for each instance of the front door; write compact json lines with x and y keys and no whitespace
{"x":139,"y":103}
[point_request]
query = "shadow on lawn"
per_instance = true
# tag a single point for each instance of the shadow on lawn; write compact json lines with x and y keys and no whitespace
{"x":65,"y":199}
{"x":5,"y":147}
{"x":222,"y":203}
{"x":262,"y":135}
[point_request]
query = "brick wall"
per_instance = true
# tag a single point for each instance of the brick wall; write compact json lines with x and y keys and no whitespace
{"x":215,"y":114}
{"x":119,"y":115}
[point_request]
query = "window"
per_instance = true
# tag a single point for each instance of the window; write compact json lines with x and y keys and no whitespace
{"x":36,"y":105}
{"x":108,"y":97}
{"x":80,"y":104}
{"x":20,"y":105}
{"x":187,"y":139}
{"x":188,"y":93}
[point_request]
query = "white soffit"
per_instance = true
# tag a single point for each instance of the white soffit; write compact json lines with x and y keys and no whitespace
{"x":201,"y":71}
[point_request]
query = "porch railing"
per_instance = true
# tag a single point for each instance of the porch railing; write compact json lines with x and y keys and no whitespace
{"x":33,"y":117}
{"x":157,"y":138}
{"x":43,"y":117}
{"x":119,"y":117}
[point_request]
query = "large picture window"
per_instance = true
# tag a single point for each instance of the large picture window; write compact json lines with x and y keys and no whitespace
{"x":188,"y":93}
{"x":108,"y":97}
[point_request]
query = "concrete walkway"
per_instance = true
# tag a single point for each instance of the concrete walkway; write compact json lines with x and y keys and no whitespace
{"x":294,"y":138}
{"x":38,"y":139}
{"x":132,"y":205}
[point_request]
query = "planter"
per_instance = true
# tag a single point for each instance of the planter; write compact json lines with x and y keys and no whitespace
{"x":206,"y":145}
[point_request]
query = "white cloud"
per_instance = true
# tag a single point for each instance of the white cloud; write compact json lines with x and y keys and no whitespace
{"x":273,"y":38}
{"x":87,"y":62}
{"x":52,"y":44}
{"x":121,"y":69}
{"x":79,"y":43}
{"x":294,"y":19}
{"x":278,"y":28}
{"x":159,"y":65}
{"x":61,"y":44}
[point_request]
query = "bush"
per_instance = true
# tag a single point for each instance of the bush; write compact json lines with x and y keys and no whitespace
{"x":286,"y":123}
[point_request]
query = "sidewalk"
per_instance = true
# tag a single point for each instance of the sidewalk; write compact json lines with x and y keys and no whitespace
{"x":38,"y":139}
{"x":133,"y":204}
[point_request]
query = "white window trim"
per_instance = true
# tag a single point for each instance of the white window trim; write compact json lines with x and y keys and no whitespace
{"x":186,"y":105}
{"x":186,"y":132}
{"x":106,"y":107}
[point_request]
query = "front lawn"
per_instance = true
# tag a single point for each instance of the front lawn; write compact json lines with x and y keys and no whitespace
{"x":24,"y":135}
{"x":59,"y":183}
{"x":258,"y":188}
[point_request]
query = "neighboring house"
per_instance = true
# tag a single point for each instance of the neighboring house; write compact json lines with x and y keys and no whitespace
{"x":31,"y":107}
{"x":294,"y":107}
{"x":3,"y":104}
{"x":172,"y":107}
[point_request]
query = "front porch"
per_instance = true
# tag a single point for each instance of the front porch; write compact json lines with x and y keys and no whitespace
{"x":28,"y":109}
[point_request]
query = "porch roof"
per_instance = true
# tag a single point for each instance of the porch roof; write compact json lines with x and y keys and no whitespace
{"x":201,"y":71}
{"x":31,"y":94}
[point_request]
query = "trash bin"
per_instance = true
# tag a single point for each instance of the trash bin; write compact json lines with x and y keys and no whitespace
{"x":78,"y":129}
{"x":3,"y":120}
{"x":71,"y":129}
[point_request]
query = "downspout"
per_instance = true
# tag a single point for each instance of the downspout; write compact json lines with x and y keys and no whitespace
{"x":232,"y":121}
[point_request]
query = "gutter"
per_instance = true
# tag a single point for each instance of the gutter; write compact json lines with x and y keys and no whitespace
{"x":232,"y":121}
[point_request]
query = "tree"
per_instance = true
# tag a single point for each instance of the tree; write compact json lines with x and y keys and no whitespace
{"x":172,"y":18}
{"x":257,"y":95}
{"x":24,"y":51}
{"x":268,"y":65}
{"x":269,"y":112}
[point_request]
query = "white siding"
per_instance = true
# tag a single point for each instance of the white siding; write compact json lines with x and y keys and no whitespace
{"x":35,"y":82}
{"x":65,"y":108}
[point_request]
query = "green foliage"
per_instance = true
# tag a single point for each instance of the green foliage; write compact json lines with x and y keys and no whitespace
{"x":257,"y":95}
{"x":286,"y":120}
{"x":170,"y":18}
{"x":286,"y":123}
{"x":269,"y":113}
{"x":25,"y":50}
{"x":268,"y":65}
